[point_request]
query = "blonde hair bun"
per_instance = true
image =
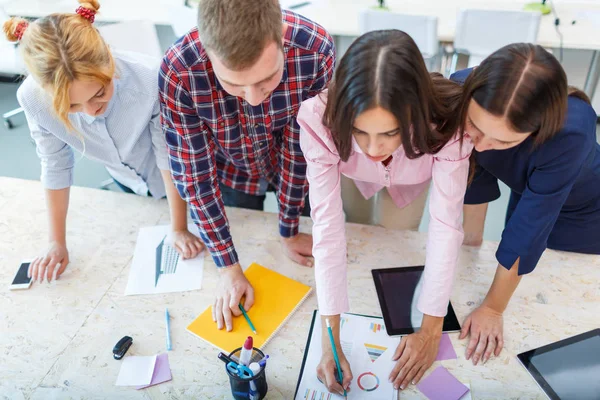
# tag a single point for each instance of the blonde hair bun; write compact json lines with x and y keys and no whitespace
{"x":10,"y":28}
{"x":93,"y":5}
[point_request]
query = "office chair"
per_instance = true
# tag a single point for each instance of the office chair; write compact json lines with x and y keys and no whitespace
{"x":11,"y":66}
{"x":423,"y":30}
{"x":481,"y":32}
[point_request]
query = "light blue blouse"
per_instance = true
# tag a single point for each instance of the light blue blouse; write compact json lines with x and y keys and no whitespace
{"x":127,"y":138}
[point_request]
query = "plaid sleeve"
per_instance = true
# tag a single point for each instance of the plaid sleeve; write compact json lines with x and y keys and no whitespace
{"x":325,"y":69}
{"x":293,"y":185}
{"x":191,"y":157}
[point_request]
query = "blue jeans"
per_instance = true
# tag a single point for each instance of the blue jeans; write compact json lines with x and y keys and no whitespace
{"x":126,"y":189}
{"x":235,"y":198}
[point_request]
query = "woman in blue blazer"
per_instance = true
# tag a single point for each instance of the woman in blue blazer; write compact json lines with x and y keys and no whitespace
{"x":538,"y":136}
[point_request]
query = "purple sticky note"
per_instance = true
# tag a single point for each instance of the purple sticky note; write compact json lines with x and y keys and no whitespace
{"x":442,"y":385}
{"x":446,"y":351}
{"x":162,"y":371}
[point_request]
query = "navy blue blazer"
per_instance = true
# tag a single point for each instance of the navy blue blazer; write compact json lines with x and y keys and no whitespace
{"x":555,"y":189}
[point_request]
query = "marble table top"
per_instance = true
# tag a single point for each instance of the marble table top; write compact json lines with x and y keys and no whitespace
{"x":56,"y":339}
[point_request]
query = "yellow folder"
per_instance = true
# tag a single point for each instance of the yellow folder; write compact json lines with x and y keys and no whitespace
{"x":276,"y":298}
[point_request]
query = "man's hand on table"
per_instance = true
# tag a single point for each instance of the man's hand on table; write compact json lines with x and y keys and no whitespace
{"x":233,"y":285}
{"x":298,"y":248}
{"x":187,"y":244}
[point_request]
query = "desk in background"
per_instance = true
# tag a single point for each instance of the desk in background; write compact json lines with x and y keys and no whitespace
{"x":340,"y":18}
{"x":56,"y":341}
{"x":155,"y":11}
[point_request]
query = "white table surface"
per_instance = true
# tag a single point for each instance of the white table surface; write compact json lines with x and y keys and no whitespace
{"x":56,"y":340}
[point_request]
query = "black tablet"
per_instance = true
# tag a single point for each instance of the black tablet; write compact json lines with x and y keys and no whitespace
{"x":398,"y":290}
{"x":568,"y":369}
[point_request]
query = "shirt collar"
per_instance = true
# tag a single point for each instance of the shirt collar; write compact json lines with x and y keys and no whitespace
{"x":89,"y":119}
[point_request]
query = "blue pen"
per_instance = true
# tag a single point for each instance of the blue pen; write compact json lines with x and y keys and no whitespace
{"x":263,"y":362}
{"x":168,"y":329}
{"x":335,"y":355}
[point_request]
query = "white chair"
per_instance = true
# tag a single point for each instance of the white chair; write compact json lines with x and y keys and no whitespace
{"x":481,"y":32}
{"x":11,"y":66}
{"x":136,"y":36}
{"x":183,"y":19}
{"x":422,"y":28}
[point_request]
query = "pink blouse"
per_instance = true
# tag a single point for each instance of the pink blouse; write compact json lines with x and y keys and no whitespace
{"x":404,"y":179}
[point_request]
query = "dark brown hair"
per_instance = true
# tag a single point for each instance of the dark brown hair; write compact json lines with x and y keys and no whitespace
{"x":526,"y":85}
{"x":238,"y":31}
{"x":386,"y":69}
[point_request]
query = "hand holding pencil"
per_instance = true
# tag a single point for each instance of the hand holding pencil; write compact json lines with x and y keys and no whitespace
{"x":333,"y":369}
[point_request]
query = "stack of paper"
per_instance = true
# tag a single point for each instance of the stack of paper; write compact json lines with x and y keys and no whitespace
{"x":144,"y":371}
{"x":442,"y":385}
{"x":446,"y":350}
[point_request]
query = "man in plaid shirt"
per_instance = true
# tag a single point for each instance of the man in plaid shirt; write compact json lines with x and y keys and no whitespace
{"x":229,"y":91}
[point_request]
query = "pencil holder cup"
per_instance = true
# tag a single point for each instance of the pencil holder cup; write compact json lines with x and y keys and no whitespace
{"x":254,"y":388}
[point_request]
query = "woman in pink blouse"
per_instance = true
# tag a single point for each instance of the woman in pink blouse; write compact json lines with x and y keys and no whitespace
{"x":385,"y":123}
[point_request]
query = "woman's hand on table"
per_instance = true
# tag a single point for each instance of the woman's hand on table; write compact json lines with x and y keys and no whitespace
{"x":327,"y":371}
{"x":52,"y":265}
{"x":187,"y":244}
{"x":416,"y":352}
{"x":485,"y":325}
{"x":414,"y":355}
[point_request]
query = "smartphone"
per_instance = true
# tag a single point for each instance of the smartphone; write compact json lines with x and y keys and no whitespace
{"x":21,"y":280}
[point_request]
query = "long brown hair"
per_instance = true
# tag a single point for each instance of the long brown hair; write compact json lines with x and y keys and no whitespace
{"x":386,"y":69}
{"x":526,"y":85}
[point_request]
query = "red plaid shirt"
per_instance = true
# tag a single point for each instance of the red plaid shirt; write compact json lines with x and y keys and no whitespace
{"x":212,"y":135}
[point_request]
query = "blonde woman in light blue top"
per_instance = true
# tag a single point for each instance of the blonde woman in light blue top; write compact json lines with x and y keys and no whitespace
{"x":80,"y":96}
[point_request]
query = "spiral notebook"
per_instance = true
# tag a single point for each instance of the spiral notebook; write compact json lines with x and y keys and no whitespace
{"x":276,"y":296}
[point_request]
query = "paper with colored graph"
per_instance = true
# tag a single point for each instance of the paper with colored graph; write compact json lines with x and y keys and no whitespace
{"x":369,"y":351}
{"x":276,"y":297}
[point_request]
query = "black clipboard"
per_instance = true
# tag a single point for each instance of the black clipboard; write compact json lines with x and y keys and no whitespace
{"x":310,"y":333}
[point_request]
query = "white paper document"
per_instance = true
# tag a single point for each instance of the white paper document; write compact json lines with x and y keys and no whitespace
{"x":369,"y":351}
{"x":158,"y":268}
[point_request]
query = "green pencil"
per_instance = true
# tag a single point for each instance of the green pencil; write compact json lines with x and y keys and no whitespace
{"x":247,"y":319}
{"x":335,"y":356}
